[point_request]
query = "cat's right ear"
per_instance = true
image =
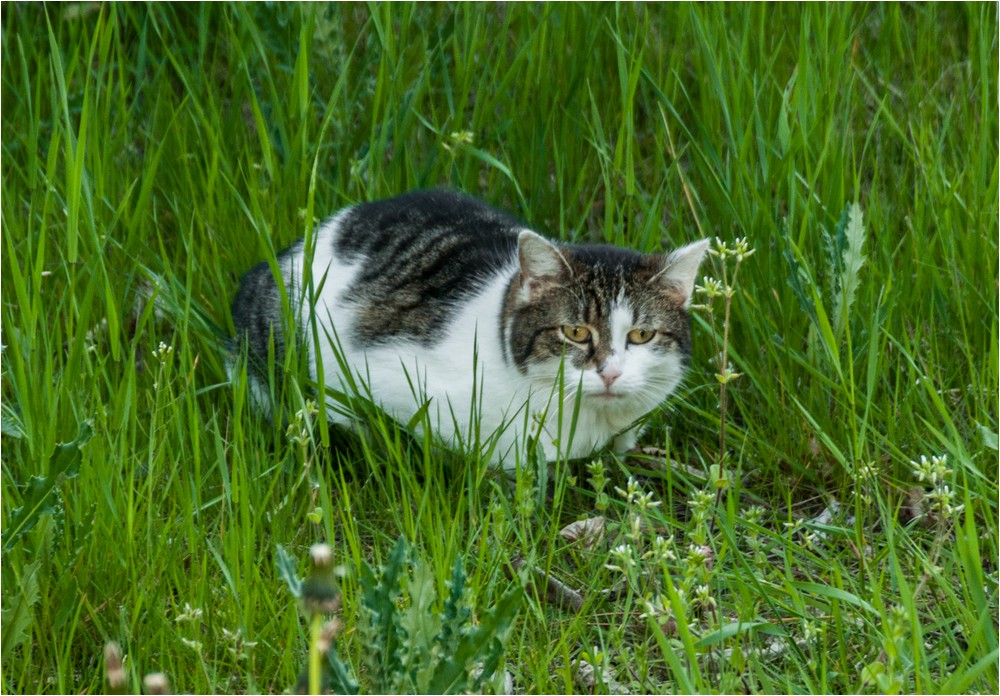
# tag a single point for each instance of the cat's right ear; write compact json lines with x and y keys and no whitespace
{"x":680,"y":269}
{"x":541,"y":264}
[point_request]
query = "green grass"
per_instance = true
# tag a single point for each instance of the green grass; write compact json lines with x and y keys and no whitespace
{"x":162,"y":150}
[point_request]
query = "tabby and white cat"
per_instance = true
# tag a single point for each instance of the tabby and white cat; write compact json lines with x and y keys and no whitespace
{"x":435,"y":295}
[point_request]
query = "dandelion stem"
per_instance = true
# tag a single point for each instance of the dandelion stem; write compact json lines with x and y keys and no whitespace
{"x":315,"y":657}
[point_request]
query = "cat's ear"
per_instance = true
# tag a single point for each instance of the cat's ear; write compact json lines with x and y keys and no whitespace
{"x":680,"y":268}
{"x":541,"y":264}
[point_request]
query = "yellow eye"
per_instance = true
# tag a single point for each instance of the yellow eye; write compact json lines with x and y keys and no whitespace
{"x":577,"y":334}
{"x":640,"y":336}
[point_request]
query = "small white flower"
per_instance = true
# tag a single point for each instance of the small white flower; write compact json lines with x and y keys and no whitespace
{"x":596,"y":468}
{"x":942,"y":497}
{"x":189,"y":614}
{"x":630,"y":492}
{"x":662,"y":551}
{"x":296,"y":433}
{"x":703,"y":596}
{"x":710,"y":287}
{"x":720,"y":249}
{"x":865,"y":471}
{"x":635,"y":529}
{"x":646,"y":501}
{"x":657,"y":607}
{"x":697,"y":555}
{"x":754,"y":514}
{"x":624,"y":558}
{"x":793,"y":526}
{"x":742,"y":250}
{"x":933,"y":470}
{"x":458,"y":138}
{"x":701,"y":501}
{"x":727,"y":375}
{"x":163,"y":352}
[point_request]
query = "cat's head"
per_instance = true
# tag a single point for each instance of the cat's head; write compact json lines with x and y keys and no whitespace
{"x":616,"y":320}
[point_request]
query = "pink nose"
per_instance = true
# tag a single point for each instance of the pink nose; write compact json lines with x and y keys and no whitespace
{"x":609,"y":374}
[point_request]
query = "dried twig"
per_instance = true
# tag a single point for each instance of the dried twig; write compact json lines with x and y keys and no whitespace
{"x":556,"y":592}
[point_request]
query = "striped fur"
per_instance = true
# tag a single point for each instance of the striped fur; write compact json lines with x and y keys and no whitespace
{"x":435,"y":295}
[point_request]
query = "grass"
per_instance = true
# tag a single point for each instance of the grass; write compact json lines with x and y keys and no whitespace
{"x":152,"y":154}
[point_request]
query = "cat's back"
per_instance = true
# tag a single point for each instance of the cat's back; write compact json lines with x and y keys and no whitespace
{"x":404,"y":228}
{"x":417,"y":259}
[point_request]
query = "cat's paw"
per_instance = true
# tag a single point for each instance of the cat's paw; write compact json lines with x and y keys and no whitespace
{"x":624,"y":443}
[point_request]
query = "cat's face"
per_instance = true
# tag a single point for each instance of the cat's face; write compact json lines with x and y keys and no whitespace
{"x":615,"y":321}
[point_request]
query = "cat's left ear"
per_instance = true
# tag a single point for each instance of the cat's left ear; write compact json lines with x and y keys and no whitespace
{"x":680,"y":268}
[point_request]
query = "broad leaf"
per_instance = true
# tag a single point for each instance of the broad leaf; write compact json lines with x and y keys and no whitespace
{"x":16,"y":615}
{"x":287,"y":567}
{"x":42,"y":497}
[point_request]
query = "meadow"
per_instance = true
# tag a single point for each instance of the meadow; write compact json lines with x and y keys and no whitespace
{"x":817,"y":512}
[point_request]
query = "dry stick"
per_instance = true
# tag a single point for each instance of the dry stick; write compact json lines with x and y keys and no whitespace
{"x":556,"y":592}
{"x":729,"y":290}
{"x":723,"y":368}
{"x":660,"y":453}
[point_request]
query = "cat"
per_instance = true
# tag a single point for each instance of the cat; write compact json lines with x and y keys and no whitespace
{"x":434,"y":295}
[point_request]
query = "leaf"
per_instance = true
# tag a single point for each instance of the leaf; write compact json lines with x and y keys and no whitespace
{"x":16,"y":615}
{"x":421,"y":627}
{"x":835,"y":246}
{"x":287,"y":567}
{"x":798,"y":277}
{"x":784,"y":129}
{"x":541,"y":473}
{"x":871,"y":673}
{"x":680,"y":672}
{"x":960,"y":682}
{"x":588,"y":532}
{"x":989,"y":437}
{"x":492,"y":161}
{"x":483,"y":642}
{"x":341,"y":681}
{"x":834,"y":593}
{"x":853,"y":260}
{"x":585,"y":676}
{"x":455,"y":615}
{"x":11,"y":426}
{"x":378,"y":597}
{"x":418,"y":416}
{"x":728,"y":631}
{"x":42,"y":494}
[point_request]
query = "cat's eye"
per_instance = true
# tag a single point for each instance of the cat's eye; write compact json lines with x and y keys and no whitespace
{"x":640,"y":336}
{"x":577,"y":334}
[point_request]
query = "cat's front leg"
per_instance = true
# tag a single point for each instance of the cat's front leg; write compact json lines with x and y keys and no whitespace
{"x":625,"y":441}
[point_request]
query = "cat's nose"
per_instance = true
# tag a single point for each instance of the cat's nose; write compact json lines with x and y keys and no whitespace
{"x":609,"y":373}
